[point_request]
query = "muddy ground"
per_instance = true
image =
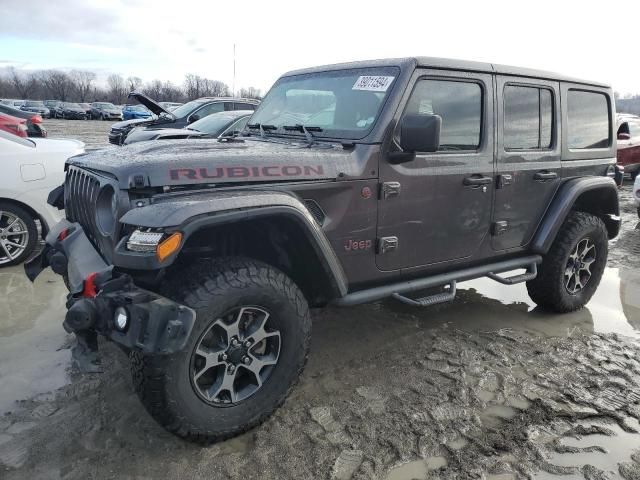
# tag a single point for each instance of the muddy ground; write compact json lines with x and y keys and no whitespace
{"x":486,"y":387}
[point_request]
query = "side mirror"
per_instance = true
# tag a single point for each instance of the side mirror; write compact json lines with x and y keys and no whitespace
{"x":418,"y":133}
{"x":194,"y":117}
{"x":624,"y":136}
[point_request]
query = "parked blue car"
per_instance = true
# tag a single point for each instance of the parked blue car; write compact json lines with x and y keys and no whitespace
{"x":130,"y":112}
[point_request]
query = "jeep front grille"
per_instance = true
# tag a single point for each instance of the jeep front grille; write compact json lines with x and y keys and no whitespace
{"x":81,"y":190}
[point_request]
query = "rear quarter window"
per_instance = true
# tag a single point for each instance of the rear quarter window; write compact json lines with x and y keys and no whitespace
{"x":588,"y":120}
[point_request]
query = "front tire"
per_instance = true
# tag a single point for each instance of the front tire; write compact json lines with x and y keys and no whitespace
{"x":247,"y":349}
{"x":571,"y":271}
{"x":18,"y":234}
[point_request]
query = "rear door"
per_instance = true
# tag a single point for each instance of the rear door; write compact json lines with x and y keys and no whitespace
{"x":528,"y":158}
{"x":438,"y":206}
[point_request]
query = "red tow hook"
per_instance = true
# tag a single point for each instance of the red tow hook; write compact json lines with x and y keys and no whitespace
{"x":89,"y":290}
{"x":63,"y":234}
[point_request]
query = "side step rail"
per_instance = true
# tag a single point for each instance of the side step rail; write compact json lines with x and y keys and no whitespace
{"x":408,"y":286}
{"x":530,"y":274}
{"x":446,"y":296}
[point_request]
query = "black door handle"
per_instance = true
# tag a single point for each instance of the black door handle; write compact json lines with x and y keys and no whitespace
{"x":477,"y":180}
{"x":545,"y":175}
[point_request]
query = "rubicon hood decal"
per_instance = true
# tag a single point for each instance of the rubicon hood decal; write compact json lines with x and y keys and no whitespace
{"x":262,"y":172}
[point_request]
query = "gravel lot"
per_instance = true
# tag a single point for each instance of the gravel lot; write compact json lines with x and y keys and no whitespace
{"x":485,"y":387}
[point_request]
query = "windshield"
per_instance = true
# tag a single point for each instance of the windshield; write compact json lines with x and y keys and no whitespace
{"x":105,"y":105}
{"x":72,"y":105}
{"x":136,"y":108}
{"x":186,"y":109}
{"x":214,"y":124}
{"x":340,"y":104}
{"x":34,"y":104}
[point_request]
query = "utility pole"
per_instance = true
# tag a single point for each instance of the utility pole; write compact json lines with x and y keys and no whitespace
{"x":233,"y":88}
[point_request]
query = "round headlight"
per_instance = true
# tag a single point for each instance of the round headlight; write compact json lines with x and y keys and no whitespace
{"x":107,"y":210}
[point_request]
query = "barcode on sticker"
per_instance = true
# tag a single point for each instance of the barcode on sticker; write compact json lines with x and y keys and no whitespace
{"x":373,"y":83}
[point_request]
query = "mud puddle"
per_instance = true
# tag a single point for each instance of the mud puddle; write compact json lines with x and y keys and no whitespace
{"x":31,"y":359}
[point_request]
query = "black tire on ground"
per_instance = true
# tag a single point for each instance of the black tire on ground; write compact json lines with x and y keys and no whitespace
{"x":634,"y":174}
{"x":165,"y":383}
{"x":32,"y":230}
{"x":548,"y":290}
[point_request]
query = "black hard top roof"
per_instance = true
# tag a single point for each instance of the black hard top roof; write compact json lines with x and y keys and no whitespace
{"x":449,"y":64}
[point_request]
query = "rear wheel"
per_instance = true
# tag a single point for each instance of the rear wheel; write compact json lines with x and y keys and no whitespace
{"x":571,"y":271}
{"x":247,"y":349}
{"x":18,"y":234}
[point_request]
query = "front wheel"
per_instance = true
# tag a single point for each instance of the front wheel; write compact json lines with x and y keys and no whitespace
{"x":18,"y":234}
{"x":571,"y":271}
{"x":247,"y":349}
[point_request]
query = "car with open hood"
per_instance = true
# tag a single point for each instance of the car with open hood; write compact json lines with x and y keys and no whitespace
{"x":180,"y":117}
{"x":216,"y":125}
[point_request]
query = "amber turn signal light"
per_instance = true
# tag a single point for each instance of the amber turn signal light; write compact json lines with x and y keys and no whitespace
{"x":168,"y":246}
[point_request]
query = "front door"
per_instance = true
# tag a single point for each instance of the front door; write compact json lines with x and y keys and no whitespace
{"x":437,"y":208}
{"x":528,"y":158}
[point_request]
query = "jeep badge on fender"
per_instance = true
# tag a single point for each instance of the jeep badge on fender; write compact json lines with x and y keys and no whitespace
{"x":350,"y":183}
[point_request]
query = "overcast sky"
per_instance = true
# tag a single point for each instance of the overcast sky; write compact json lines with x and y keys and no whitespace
{"x":590,"y":39}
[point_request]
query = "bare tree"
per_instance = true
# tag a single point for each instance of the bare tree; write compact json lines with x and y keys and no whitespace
{"x":154,"y":90}
{"x":23,"y":83}
{"x":250,"y":92}
{"x":133,"y":83}
{"x":82,"y":82}
{"x":117,"y":90}
{"x":57,"y":84}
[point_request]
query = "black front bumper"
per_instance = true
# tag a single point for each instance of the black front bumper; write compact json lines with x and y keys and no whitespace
{"x":156,"y":325}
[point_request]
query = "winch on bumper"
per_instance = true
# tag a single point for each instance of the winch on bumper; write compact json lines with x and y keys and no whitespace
{"x":107,"y":303}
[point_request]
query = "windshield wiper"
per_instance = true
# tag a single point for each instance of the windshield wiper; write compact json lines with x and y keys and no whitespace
{"x":302,"y":129}
{"x":262,"y":127}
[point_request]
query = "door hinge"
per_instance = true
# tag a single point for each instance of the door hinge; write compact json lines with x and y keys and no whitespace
{"x":504,"y":180}
{"x":498,"y":228}
{"x":387,"y":244}
{"x":390,"y":189}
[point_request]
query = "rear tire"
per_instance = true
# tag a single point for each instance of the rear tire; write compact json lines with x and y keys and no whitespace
{"x":571,"y":271}
{"x":169,"y":387}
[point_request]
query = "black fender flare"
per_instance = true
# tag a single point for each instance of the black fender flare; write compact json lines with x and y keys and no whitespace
{"x":191,"y":213}
{"x":564,"y":201}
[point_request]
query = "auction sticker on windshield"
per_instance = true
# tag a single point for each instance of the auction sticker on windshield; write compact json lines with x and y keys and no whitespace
{"x":373,"y":83}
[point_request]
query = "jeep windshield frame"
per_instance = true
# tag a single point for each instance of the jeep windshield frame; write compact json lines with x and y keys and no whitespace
{"x":336,"y":104}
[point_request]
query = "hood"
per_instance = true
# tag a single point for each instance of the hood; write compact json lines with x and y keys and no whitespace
{"x":132,"y":123}
{"x":209,"y":161}
{"x":142,"y":134}
{"x":150,"y":104}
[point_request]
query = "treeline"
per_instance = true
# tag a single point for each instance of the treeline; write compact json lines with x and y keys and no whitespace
{"x":81,"y":86}
{"x":628,"y":104}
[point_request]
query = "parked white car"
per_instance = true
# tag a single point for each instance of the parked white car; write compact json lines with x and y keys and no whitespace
{"x":29,"y":170}
{"x":636,"y":193}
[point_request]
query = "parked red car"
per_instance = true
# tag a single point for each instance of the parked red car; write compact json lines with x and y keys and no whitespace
{"x":17,"y":126}
{"x":629,"y":143}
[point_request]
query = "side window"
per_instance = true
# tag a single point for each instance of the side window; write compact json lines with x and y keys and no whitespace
{"x":588,"y":119}
{"x":460,"y":106}
{"x":528,"y":118}
{"x":209,"y":109}
{"x":244,"y":106}
{"x":237,"y":126}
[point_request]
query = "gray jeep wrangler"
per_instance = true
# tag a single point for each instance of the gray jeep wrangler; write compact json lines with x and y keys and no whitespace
{"x":351,"y":183}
